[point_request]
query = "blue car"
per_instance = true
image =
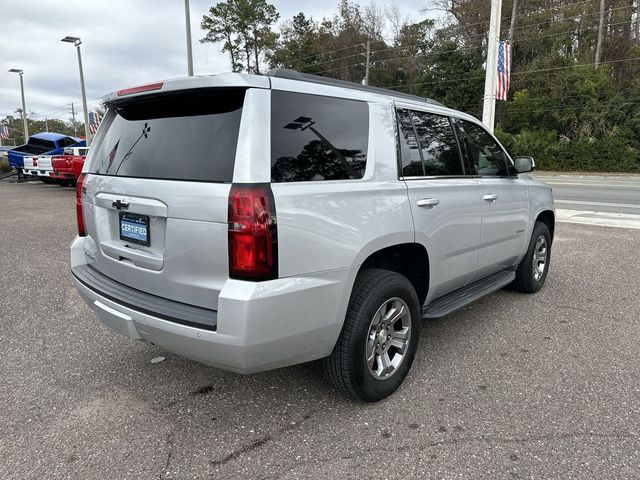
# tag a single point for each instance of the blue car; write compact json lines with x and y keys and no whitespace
{"x":45,"y":143}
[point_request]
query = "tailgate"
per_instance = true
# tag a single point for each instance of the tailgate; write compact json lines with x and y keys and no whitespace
{"x":186,"y":256}
{"x":156,"y":193}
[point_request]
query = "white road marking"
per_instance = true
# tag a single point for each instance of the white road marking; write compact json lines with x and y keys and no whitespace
{"x":594,"y":184}
{"x":604,"y":219}
{"x":599,"y":204}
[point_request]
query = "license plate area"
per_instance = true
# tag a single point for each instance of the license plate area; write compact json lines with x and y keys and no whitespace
{"x":134,"y":228}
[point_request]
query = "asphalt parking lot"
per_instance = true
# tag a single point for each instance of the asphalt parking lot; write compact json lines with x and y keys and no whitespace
{"x":515,"y":386}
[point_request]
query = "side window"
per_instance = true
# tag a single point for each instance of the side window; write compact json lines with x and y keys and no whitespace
{"x":317,"y":138}
{"x":409,"y":150}
{"x":485,"y":154}
{"x":438,"y":144}
{"x":66,"y":141}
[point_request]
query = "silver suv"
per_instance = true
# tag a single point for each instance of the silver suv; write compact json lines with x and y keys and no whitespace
{"x":254,"y":222}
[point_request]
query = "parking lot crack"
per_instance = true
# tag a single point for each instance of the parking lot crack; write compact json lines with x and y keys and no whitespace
{"x":260,"y":442}
{"x":171,"y":444}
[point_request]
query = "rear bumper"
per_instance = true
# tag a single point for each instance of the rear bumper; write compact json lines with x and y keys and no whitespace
{"x":259,"y":325}
{"x":63,"y":175}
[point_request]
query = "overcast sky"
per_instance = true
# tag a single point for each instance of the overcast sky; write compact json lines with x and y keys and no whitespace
{"x":125,"y":43}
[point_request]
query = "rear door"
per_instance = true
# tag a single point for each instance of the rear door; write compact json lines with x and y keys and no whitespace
{"x":157,"y":185}
{"x":504,"y":198}
{"x":444,"y":202}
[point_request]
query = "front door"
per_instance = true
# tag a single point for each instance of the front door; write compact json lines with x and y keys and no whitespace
{"x":444,"y":202}
{"x":504,"y":201}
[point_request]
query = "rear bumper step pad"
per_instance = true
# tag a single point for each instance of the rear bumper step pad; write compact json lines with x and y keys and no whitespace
{"x":147,"y":303}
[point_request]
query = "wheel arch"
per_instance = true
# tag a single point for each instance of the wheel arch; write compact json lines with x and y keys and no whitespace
{"x":408,"y":259}
{"x":549,"y":219}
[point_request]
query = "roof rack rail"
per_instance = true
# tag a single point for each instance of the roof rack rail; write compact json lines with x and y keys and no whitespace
{"x":306,"y":77}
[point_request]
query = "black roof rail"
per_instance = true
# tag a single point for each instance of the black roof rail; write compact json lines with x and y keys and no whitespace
{"x":307,"y":77}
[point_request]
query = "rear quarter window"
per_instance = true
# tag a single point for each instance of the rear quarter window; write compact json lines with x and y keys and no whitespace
{"x":189,"y":135}
{"x":317,"y":138}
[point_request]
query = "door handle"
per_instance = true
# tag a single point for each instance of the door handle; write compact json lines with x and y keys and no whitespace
{"x":491,"y":197}
{"x":428,"y":202}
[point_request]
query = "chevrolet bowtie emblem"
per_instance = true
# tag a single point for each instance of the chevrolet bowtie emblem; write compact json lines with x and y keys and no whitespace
{"x":118,"y":204}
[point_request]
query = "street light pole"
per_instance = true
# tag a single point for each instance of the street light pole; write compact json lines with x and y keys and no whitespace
{"x":187,"y":19}
{"x":25,"y":126}
{"x":77,"y":42}
{"x":490,"y":81}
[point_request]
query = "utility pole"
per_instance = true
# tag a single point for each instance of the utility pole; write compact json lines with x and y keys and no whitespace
{"x":46,"y":124}
{"x":75,"y":125}
{"x":514,"y":13}
{"x":187,"y":19}
{"x":367,"y":62}
{"x":491,"y":74}
{"x":596,"y":61}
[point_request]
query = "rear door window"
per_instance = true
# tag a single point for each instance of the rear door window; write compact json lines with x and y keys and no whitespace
{"x":317,"y":138}
{"x":438,"y":145}
{"x":428,"y":145}
{"x":189,"y":135}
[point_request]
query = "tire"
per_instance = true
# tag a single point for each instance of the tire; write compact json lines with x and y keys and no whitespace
{"x":375,"y":292}
{"x":530,"y":279}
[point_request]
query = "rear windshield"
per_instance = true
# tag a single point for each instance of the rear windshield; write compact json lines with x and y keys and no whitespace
{"x":186,"y":136}
{"x":40,"y":143}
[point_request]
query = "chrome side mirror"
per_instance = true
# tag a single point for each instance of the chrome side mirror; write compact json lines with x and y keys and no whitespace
{"x":524,"y":164}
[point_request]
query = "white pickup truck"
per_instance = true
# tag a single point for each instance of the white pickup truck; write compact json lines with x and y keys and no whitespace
{"x":40,"y":165}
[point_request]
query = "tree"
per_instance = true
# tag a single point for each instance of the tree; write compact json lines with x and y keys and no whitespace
{"x":454,"y":76}
{"x":221,"y":26}
{"x":299,"y":46}
{"x":255,"y":18}
{"x":245,"y":28}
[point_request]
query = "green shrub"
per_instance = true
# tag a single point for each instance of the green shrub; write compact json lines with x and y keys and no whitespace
{"x":4,"y":166}
{"x":563,"y":154}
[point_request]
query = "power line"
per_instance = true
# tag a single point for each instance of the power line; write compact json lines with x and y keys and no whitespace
{"x":568,"y":107}
{"x":508,"y":17}
{"x":524,"y":15}
{"x":518,"y":73}
{"x":456,"y":27}
{"x":533,"y":37}
{"x":549,"y":99}
{"x":331,"y":51}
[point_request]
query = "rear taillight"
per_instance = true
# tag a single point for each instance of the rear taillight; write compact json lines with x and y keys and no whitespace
{"x":79,"y":214}
{"x":253,"y":234}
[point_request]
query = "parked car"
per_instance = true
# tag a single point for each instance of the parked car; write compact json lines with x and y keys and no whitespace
{"x":42,"y":144}
{"x":254,"y":222}
{"x":68,"y":166}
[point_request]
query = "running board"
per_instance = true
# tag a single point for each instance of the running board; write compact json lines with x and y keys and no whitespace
{"x":465,"y":295}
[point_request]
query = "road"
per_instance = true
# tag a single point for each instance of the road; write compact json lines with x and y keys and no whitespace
{"x":610,"y":200}
{"x":513,"y":386}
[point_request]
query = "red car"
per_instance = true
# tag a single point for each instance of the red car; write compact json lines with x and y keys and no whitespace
{"x":67,"y":167}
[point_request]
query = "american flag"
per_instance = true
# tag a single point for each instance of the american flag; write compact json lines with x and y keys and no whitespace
{"x":504,"y":70}
{"x":94,"y":121}
{"x":4,"y":132}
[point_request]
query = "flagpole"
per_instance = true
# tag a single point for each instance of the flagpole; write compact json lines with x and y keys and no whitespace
{"x":491,"y":73}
